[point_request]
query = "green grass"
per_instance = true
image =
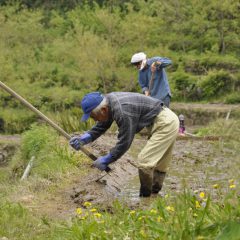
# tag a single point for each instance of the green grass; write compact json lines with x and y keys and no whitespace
{"x":180,"y":216}
{"x":16,"y":222}
{"x":16,"y":120}
{"x":52,"y":158}
{"x":221,"y":127}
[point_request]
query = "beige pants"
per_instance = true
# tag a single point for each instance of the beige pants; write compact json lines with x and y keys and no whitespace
{"x":157,"y":153}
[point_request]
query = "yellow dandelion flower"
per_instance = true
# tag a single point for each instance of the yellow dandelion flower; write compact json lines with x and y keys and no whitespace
{"x":215,"y":186}
{"x":159,"y":219}
{"x":195,"y":215}
{"x":231,"y":181}
{"x":201,"y":195}
{"x":93,"y":210}
{"x":143,"y":233}
{"x":197,"y":204}
{"x":170,"y":208}
{"x":232,"y":186}
{"x":132,"y":212}
{"x":98,"y":215}
{"x":154,"y":211}
{"x":82,"y":218}
{"x":87,"y":204}
{"x":166,"y":196}
{"x":79,"y":211}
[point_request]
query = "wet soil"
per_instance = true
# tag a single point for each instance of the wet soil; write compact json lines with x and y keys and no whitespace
{"x":197,"y":164}
{"x":100,"y":187}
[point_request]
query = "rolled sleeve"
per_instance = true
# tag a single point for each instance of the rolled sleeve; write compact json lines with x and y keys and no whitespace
{"x":164,"y":62}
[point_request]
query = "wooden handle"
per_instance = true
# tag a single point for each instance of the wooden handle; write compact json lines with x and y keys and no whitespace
{"x":41,"y":115}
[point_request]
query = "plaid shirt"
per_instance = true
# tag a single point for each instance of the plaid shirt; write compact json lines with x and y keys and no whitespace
{"x":132,"y":112}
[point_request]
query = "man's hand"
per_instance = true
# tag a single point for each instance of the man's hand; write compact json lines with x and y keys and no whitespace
{"x":78,"y":141}
{"x":102,"y":162}
{"x":147,"y":93}
{"x":155,"y":65}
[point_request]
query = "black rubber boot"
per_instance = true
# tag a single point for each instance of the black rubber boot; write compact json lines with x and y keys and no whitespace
{"x":158,"y":178}
{"x":145,"y":184}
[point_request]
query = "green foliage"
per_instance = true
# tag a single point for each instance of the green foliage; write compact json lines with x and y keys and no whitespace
{"x":3,"y":175}
{"x":230,"y":231}
{"x":67,"y":53}
{"x":185,"y":87}
{"x":17,"y":120}
{"x":229,"y":128}
{"x":217,"y":83}
{"x":35,"y":140}
{"x":71,"y":121}
{"x":186,"y":216}
{"x":200,"y":65}
{"x":52,"y":158}
{"x":17,"y":223}
{"x":182,"y":216}
{"x":232,"y":98}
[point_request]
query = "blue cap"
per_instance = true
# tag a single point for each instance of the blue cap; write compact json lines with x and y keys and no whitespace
{"x":89,"y":102}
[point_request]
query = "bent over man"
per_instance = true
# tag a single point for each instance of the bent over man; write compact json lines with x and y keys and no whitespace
{"x":132,"y":112}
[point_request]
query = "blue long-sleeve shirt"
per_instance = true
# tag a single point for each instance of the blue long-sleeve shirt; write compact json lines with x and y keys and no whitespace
{"x":160,"y":87}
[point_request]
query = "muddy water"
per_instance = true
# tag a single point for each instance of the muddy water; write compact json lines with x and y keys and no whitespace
{"x":196,"y":165}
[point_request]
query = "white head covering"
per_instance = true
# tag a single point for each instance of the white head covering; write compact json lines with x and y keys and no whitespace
{"x":143,"y":64}
{"x":138,"y":57}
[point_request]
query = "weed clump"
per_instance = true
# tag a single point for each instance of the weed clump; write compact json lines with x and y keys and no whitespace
{"x":52,"y":154}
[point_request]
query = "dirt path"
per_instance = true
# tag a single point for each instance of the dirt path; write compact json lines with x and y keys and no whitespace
{"x":213,"y":107}
{"x":12,"y":138}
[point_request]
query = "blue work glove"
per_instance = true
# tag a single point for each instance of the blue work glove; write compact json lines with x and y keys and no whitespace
{"x":78,"y":141}
{"x":102,"y":162}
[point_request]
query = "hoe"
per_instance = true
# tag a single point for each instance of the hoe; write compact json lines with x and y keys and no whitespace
{"x":45,"y":118}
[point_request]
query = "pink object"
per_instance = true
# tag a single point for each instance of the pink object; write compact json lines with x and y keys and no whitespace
{"x":182,"y":126}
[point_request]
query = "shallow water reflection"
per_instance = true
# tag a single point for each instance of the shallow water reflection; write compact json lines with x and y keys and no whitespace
{"x":196,"y":166}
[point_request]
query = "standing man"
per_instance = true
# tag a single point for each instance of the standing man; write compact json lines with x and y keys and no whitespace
{"x":132,"y":112}
{"x":152,"y":76}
